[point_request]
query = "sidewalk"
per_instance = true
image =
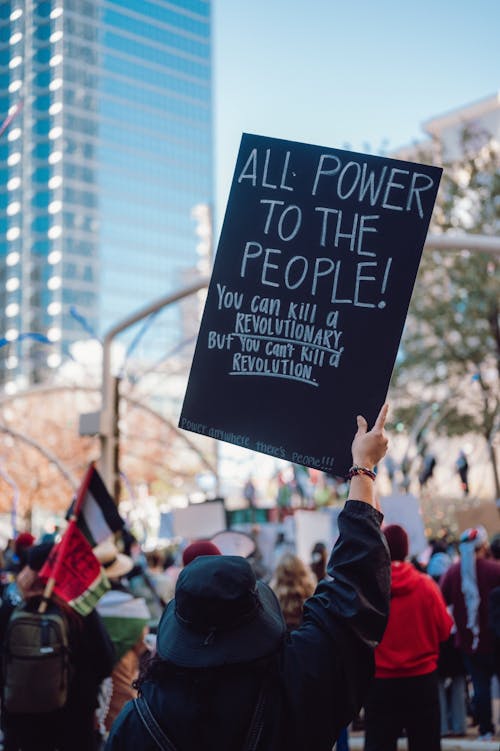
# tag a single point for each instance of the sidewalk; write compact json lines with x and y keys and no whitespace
{"x":467,"y":743}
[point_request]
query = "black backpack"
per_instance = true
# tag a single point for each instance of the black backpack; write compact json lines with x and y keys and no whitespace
{"x":36,"y":670}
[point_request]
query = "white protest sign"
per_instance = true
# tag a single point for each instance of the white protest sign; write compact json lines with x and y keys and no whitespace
{"x":231,"y":542}
{"x":199,"y":521}
{"x":312,"y":527}
{"x":166,"y":530}
{"x":265,"y":535}
{"x":405,"y":510}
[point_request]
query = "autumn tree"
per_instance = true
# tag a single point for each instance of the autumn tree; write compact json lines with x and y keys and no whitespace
{"x":448,"y":373}
{"x":43,"y":458}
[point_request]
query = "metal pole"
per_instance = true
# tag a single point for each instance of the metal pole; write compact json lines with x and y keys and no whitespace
{"x":462,"y":241}
{"x":110,"y":401}
{"x":115,"y":440}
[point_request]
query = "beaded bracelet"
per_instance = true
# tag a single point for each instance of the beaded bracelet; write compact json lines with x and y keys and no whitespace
{"x":357,"y":470}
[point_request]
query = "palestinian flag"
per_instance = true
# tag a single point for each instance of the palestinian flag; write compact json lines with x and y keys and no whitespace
{"x":79,"y":578}
{"x":98,"y":517}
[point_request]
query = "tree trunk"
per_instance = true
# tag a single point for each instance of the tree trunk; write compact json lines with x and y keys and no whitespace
{"x":494,"y":466}
{"x":28,"y":519}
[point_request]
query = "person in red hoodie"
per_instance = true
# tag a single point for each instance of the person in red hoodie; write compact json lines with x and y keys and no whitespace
{"x":404,"y":694}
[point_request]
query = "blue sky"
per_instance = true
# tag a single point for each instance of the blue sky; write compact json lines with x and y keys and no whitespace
{"x":357,"y":74}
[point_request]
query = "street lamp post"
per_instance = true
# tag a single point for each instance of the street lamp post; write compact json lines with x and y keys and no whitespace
{"x":108,"y":418}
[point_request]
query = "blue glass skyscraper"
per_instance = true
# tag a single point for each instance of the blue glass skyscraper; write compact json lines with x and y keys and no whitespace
{"x":104,"y":166}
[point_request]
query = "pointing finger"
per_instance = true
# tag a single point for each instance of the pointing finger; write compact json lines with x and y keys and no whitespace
{"x":382,"y":416}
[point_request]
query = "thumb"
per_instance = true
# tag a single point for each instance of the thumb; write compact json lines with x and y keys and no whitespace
{"x":362,"y":424}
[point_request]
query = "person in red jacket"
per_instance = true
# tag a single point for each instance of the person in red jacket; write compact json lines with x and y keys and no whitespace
{"x":404,"y":694}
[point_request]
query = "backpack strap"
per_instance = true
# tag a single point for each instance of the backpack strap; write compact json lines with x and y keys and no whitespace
{"x":257,"y":724}
{"x":165,"y":744}
{"x":149,"y":721}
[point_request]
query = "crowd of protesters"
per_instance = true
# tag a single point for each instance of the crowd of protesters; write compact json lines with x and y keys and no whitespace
{"x":190,"y":649}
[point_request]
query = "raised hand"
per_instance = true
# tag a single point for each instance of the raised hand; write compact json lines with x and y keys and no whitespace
{"x":369,"y":446}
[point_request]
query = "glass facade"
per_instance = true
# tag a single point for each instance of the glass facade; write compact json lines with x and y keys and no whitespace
{"x":106,"y":159}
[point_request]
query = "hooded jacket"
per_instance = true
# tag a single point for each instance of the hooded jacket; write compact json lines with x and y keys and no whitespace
{"x":418,"y":623}
{"x":318,"y":678}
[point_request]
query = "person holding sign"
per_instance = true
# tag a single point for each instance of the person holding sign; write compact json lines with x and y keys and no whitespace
{"x":226,"y":676}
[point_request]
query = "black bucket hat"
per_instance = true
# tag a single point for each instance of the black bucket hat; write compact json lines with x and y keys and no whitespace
{"x":221,"y":615}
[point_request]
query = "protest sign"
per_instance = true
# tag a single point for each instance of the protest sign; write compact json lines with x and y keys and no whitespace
{"x":202,"y":520}
{"x":315,"y":526}
{"x":405,"y":510}
{"x":265,"y":536}
{"x":311,"y":284}
{"x":232,"y":542}
{"x":311,"y":527}
{"x":166,"y":530}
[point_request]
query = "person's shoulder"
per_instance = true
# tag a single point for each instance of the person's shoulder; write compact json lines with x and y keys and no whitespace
{"x":428,"y":581}
{"x":421,"y":581}
{"x":453,"y":571}
{"x":491,"y":566}
{"x":433,"y":588}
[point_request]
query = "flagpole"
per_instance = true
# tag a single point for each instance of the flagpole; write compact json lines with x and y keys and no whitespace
{"x":51,"y":581}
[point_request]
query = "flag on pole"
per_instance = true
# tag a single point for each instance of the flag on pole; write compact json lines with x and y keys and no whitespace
{"x":79,"y":578}
{"x":72,"y":570}
{"x":98,"y":517}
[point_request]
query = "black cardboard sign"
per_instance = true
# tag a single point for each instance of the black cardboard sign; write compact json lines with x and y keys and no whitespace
{"x":310,"y":289}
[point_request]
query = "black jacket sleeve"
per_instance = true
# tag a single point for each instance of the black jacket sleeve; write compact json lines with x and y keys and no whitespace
{"x":329,"y":660}
{"x":101,"y":651}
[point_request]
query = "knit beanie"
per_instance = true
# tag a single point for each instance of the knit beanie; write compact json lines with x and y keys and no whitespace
{"x":23,"y":540}
{"x":200,"y":547}
{"x":397,"y":540}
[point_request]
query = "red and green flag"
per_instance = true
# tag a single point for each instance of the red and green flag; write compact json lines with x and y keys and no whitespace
{"x":72,"y":571}
{"x":78,"y":577}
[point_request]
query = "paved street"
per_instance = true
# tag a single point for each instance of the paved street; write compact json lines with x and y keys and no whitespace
{"x":468,"y":743}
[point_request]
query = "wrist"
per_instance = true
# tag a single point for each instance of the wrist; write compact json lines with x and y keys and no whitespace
{"x":361,"y":469}
{"x":361,"y":488}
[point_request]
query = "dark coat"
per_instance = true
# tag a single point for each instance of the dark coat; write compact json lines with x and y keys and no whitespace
{"x":319,"y":678}
{"x":488,"y":577}
{"x":494,"y":614}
